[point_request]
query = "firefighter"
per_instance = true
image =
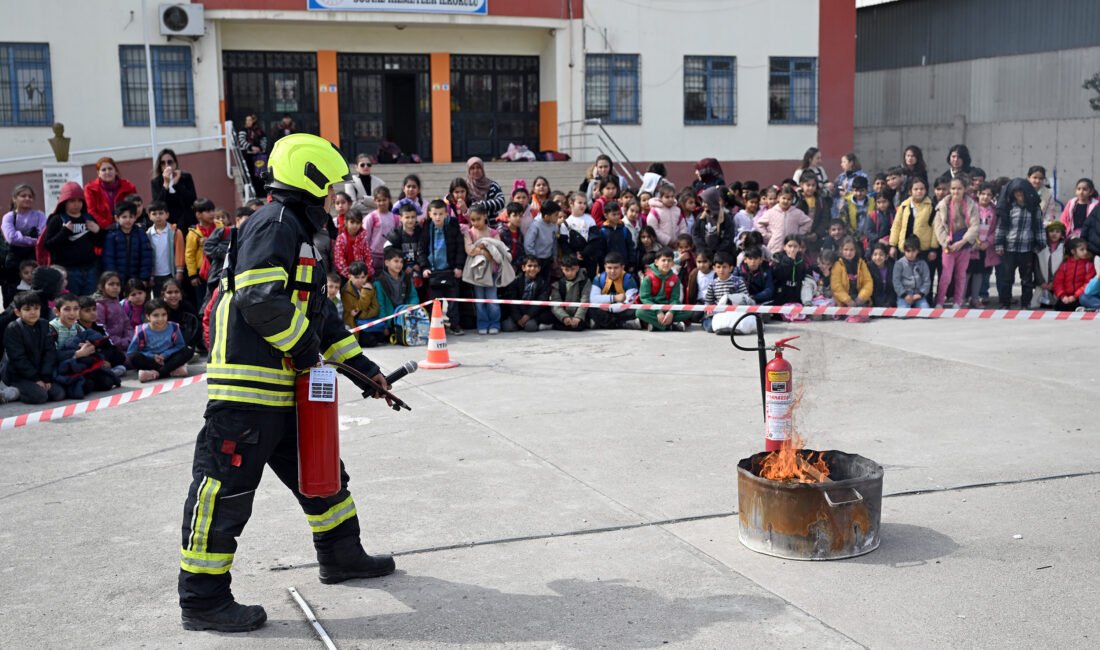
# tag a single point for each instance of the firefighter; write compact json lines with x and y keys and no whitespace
{"x":270,"y":320}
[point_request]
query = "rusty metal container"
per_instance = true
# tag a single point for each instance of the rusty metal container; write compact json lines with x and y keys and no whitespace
{"x":811,"y":521}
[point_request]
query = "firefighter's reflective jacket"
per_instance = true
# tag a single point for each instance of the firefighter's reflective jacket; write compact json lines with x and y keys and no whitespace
{"x":272,"y":313}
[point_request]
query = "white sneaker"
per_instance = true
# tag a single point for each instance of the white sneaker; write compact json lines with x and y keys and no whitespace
{"x":493,"y":330}
{"x":632,"y":324}
{"x":118,"y":371}
{"x":545,"y":326}
{"x":8,"y":394}
{"x":678,"y":327}
{"x":483,"y":332}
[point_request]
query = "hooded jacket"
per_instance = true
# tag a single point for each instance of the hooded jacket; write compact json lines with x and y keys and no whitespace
{"x":775,"y":225}
{"x":921,"y":216}
{"x":71,"y":248}
{"x":1019,"y":228}
{"x":668,"y":223}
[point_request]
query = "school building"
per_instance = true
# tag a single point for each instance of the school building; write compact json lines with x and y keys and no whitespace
{"x":750,"y":83}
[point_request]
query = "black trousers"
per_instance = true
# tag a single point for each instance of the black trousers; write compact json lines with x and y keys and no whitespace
{"x":1013,"y":262}
{"x":602,"y":319}
{"x":141,"y":361}
{"x":230,"y":453}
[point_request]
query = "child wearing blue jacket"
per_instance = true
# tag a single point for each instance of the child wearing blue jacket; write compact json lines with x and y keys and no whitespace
{"x":126,"y":248}
{"x":157,"y":349}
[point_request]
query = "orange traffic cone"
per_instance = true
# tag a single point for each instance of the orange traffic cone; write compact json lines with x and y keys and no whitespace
{"x":438,"y":357}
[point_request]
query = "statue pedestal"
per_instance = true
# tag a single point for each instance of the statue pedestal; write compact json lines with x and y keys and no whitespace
{"x":53,"y":177}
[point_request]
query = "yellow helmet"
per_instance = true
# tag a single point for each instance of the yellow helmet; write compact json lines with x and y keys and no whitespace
{"x":305,"y":162}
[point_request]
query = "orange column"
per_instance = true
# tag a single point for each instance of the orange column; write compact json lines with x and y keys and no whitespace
{"x":548,"y":126}
{"x":328,"y":101}
{"x":441,"y":106}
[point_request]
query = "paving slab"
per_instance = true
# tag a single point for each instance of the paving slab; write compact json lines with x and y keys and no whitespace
{"x":538,"y":434}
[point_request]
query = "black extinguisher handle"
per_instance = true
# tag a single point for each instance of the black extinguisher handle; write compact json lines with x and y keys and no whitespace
{"x":396,"y":402}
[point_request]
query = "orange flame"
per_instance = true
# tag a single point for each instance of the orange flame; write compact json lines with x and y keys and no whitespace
{"x":789,"y":465}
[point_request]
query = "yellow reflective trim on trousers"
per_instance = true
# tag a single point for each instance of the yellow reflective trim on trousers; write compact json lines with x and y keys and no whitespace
{"x":200,"y":493}
{"x":343,"y":349}
{"x":332,"y":517}
{"x":288,"y":338}
{"x":212,"y":563}
{"x":250,"y":373}
{"x":203,"y":513}
{"x":260,"y":276}
{"x":250,"y":395}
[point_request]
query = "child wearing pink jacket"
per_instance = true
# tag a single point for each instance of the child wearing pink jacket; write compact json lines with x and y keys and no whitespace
{"x":665,"y":217}
{"x":378,"y":224}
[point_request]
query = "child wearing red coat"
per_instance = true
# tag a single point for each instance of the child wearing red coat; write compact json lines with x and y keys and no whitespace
{"x":1073,"y":275}
{"x":352,"y":244}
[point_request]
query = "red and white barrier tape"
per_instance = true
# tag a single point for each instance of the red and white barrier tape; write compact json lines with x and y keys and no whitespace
{"x":89,"y":406}
{"x":792,"y":310}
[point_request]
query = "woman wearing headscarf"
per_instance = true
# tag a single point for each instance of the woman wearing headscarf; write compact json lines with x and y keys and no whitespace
{"x":107,"y":189}
{"x":483,"y":188}
{"x":708,"y":173}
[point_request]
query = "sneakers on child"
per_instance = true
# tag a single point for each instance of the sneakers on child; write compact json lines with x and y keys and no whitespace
{"x":119,"y":371}
{"x":482,"y":331}
{"x":456,"y":331}
{"x":8,"y":394}
{"x":179,"y":372}
{"x":493,"y":331}
{"x":145,"y":376}
{"x":545,"y":326}
{"x":632,"y":324}
{"x":678,"y":327}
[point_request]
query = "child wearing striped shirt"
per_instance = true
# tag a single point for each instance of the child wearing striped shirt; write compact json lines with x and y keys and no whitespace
{"x":725,"y":283}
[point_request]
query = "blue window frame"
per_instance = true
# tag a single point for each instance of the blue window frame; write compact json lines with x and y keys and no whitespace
{"x":172,"y":85}
{"x":26,"y":92}
{"x":709,"y":89}
{"x":611,"y":88}
{"x":792,"y":91}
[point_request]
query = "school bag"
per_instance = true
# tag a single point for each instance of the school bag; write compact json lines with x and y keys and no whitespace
{"x":412,"y":327}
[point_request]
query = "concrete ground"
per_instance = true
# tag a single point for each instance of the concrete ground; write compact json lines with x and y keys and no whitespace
{"x":551,"y":432}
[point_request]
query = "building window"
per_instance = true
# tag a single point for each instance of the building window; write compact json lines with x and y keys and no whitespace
{"x":792,"y":91}
{"x":611,"y":88}
{"x":175,"y":99}
{"x":709,"y":83}
{"x":26,"y":95}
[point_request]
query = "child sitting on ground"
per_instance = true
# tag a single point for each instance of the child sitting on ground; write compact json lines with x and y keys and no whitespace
{"x":157,"y":349}
{"x":683,"y":261}
{"x":530,"y":286}
{"x":789,"y":271}
{"x":134,"y":305}
{"x":1048,"y":261}
{"x":1073,"y":275}
{"x":573,"y":286}
{"x":80,"y":367}
{"x":26,"y":271}
{"x":912,"y":278}
{"x":31,"y":354}
{"x":333,"y":282}
{"x":352,"y":244}
{"x":660,"y":286}
{"x":619,"y":290}
{"x":823,"y":277}
{"x":726,"y":282}
{"x":756,"y":273}
{"x":109,"y":310}
{"x":851,"y":279}
{"x":393,"y":288}
{"x":700,"y":279}
{"x":838,"y":230}
{"x":114,"y":357}
{"x":360,"y":301}
{"x":881,"y":268}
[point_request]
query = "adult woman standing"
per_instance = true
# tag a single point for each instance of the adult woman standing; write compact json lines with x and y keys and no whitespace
{"x":604,"y":168}
{"x":708,"y":173}
{"x":811,"y":163}
{"x":483,"y":188}
{"x":252,"y":142}
{"x":21,"y":228}
{"x":175,"y":187}
{"x":958,"y":160}
{"x":105,"y":190}
{"x":362,"y":185}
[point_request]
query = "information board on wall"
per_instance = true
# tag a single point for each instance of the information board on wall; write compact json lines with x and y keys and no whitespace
{"x":53,"y":177}
{"x":480,"y":7}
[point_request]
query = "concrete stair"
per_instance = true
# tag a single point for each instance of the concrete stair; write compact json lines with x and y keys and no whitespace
{"x":435,"y":178}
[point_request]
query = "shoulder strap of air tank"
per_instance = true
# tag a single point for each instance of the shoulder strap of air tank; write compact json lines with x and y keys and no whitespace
{"x":231,"y":260}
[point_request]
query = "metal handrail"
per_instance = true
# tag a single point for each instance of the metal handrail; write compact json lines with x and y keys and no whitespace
{"x":120,"y":148}
{"x":234,"y":160}
{"x":626,"y":168}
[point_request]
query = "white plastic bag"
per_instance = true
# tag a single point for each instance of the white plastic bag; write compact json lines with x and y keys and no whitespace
{"x":726,"y":319}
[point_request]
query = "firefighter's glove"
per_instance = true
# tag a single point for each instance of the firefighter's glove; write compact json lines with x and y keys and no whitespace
{"x":307,"y":358}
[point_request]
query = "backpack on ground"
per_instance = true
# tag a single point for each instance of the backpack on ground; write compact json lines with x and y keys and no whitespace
{"x":411,"y":328}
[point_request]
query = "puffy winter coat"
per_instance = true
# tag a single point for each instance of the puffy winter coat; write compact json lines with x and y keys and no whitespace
{"x":669,"y":223}
{"x":775,"y":225}
{"x":1072,"y":276}
{"x":128,"y":253}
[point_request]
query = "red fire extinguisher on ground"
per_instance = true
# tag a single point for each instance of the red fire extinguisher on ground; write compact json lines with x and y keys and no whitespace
{"x":315,"y":396}
{"x":778,"y":397}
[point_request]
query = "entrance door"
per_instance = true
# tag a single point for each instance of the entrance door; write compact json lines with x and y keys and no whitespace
{"x":384,"y":97}
{"x":494,"y":102}
{"x":272,"y":84}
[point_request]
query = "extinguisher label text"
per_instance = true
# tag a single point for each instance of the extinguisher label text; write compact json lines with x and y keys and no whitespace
{"x":779,"y":386}
{"x":779,"y":376}
{"x":322,"y":385}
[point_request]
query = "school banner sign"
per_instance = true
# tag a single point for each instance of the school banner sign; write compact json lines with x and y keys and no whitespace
{"x":480,"y":7}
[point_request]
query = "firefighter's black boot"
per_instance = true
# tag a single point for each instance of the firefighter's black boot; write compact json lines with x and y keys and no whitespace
{"x":233,"y":617}
{"x":348,"y":560}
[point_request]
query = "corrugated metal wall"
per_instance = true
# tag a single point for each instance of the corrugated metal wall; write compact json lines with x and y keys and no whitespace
{"x":924,"y":32}
{"x":1046,"y":85}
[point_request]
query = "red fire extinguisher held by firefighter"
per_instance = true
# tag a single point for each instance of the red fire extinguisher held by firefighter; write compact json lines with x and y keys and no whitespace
{"x":778,"y":397}
{"x":319,"y":424}
{"x":776,"y":384}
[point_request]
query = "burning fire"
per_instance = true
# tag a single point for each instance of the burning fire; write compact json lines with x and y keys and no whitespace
{"x":788,"y":465}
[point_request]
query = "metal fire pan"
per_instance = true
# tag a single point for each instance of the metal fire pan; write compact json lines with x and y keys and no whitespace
{"x":811,"y":521}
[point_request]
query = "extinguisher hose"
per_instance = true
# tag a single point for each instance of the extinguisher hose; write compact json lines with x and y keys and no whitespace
{"x":369,"y":386}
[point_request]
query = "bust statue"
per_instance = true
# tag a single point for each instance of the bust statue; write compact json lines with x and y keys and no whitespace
{"x":60,"y":143}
